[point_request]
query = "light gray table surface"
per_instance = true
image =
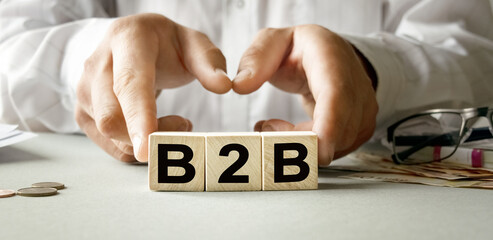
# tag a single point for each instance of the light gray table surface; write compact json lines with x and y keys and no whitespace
{"x":107,"y":199}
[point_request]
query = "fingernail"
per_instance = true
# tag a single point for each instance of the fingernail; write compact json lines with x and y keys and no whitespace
{"x":221,"y":72}
{"x":184,"y":126}
{"x":244,"y":74}
{"x":267,"y":128}
{"x":258,"y":126}
{"x":136,"y":141}
{"x":190,"y":125}
{"x":324,"y":165}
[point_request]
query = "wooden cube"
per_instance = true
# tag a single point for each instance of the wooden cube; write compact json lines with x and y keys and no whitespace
{"x":233,"y":162}
{"x":289,"y":160}
{"x":176,"y":161}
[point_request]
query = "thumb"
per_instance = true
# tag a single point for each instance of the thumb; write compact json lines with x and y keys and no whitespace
{"x":262,"y":59}
{"x":276,"y":125}
{"x":204,"y":60}
{"x":174,"y":123}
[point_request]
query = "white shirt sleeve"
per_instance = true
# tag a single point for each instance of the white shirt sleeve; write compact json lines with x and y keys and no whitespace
{"x":440,"y":56}
{"x":43,"y":45}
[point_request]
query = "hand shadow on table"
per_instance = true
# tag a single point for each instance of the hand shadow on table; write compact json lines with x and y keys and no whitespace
{"x":331,"y":180}
{"x":11,"y":154}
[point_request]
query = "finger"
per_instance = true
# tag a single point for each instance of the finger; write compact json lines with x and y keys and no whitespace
{"x":366,"y":130}
{"x":363,"y":136}
{"x":204,"y":60}
{"x":124,"y":147}
{"x":174,"y":123}
{"x":331,"y":83}
{"x":304,"y":126}
{"x":107,"y":112}
{"x":88,"y":125}
{"x":258,"y":126}
{"x":134,"y":61}
{"x":169,"y":123}
{"x":92,"y":69}
{"x":262,"y":59}
{"x":277,"y":125}
{"x":330,"y":119}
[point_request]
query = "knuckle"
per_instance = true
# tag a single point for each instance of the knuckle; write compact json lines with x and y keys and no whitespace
{"x":121,"y":156}
{"x":125,"y":157}
{"x":312,"y":27}
{"x":139,"y":24}
{"x":132,"y":116}
{"x":254,"y":51}
{"x":317,"y":27}
{"x":314,"y":31}
{"x":251,"y":56}
{"x":123,"y":80}
{"x":91,"y":64}
{"x":126,"y":148}
{"x":214,"y":51}
{"x":270,"y":33}
{"x":107,"y":124}
{"x":201,"y":35}
{"x":124,"y":24}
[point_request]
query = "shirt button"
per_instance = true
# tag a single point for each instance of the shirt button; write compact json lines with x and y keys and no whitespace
{"x":240,"y":3}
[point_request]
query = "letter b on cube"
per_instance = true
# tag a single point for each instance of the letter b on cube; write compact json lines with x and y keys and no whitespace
{"x":289,"y":160}
{"x":176,"y":161}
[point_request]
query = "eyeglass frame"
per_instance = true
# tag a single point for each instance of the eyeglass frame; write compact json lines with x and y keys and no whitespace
{"x":466,"y":114}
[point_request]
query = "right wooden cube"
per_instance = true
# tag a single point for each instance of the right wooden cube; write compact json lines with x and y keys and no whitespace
{"x":289,"y":160}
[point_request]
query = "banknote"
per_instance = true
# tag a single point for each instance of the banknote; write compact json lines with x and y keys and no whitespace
{"x":373,"y":167}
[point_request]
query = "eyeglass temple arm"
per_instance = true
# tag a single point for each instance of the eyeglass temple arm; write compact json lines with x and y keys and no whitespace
{"x":479,"y":134}
{"x":476,"y":134}
{"x":440,"y":140}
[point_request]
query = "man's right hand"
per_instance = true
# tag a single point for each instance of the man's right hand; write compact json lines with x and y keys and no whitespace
{"x":139,"y":56}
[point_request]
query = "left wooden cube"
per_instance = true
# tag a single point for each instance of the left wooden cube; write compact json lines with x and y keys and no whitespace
{"x":177,"y":161}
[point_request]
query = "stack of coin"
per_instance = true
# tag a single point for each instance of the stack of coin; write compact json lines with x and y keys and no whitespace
{"x":48,"y":185}
{"x":36,"y":192}
{"x":40,"y":189}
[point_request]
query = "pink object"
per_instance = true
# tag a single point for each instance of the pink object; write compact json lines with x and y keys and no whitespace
{"x":436,"y":153}
{"x":477,"y":158}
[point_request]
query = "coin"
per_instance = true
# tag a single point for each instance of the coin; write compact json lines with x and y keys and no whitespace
{"x":5,"y":193}
{"x":49,"y":185}
{"x":36,"y":192}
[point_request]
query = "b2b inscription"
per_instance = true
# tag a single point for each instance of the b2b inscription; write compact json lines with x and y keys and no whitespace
{"x":181,"y":161}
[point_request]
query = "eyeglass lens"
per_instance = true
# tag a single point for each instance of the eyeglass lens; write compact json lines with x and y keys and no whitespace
{"x":424,"y":138}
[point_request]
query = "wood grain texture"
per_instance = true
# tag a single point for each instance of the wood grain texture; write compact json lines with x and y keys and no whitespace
{"x":196,"y":141}
{"x":216,"y":165}
{"x":309,"y":140}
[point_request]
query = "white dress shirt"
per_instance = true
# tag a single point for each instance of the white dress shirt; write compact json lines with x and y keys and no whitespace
{"x":427,"y":54}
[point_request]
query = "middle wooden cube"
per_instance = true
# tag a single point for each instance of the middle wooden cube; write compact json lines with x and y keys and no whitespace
{"x":233,"y":162}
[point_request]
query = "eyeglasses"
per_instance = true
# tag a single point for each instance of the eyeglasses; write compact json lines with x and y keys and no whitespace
{"x":419,"y":138}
